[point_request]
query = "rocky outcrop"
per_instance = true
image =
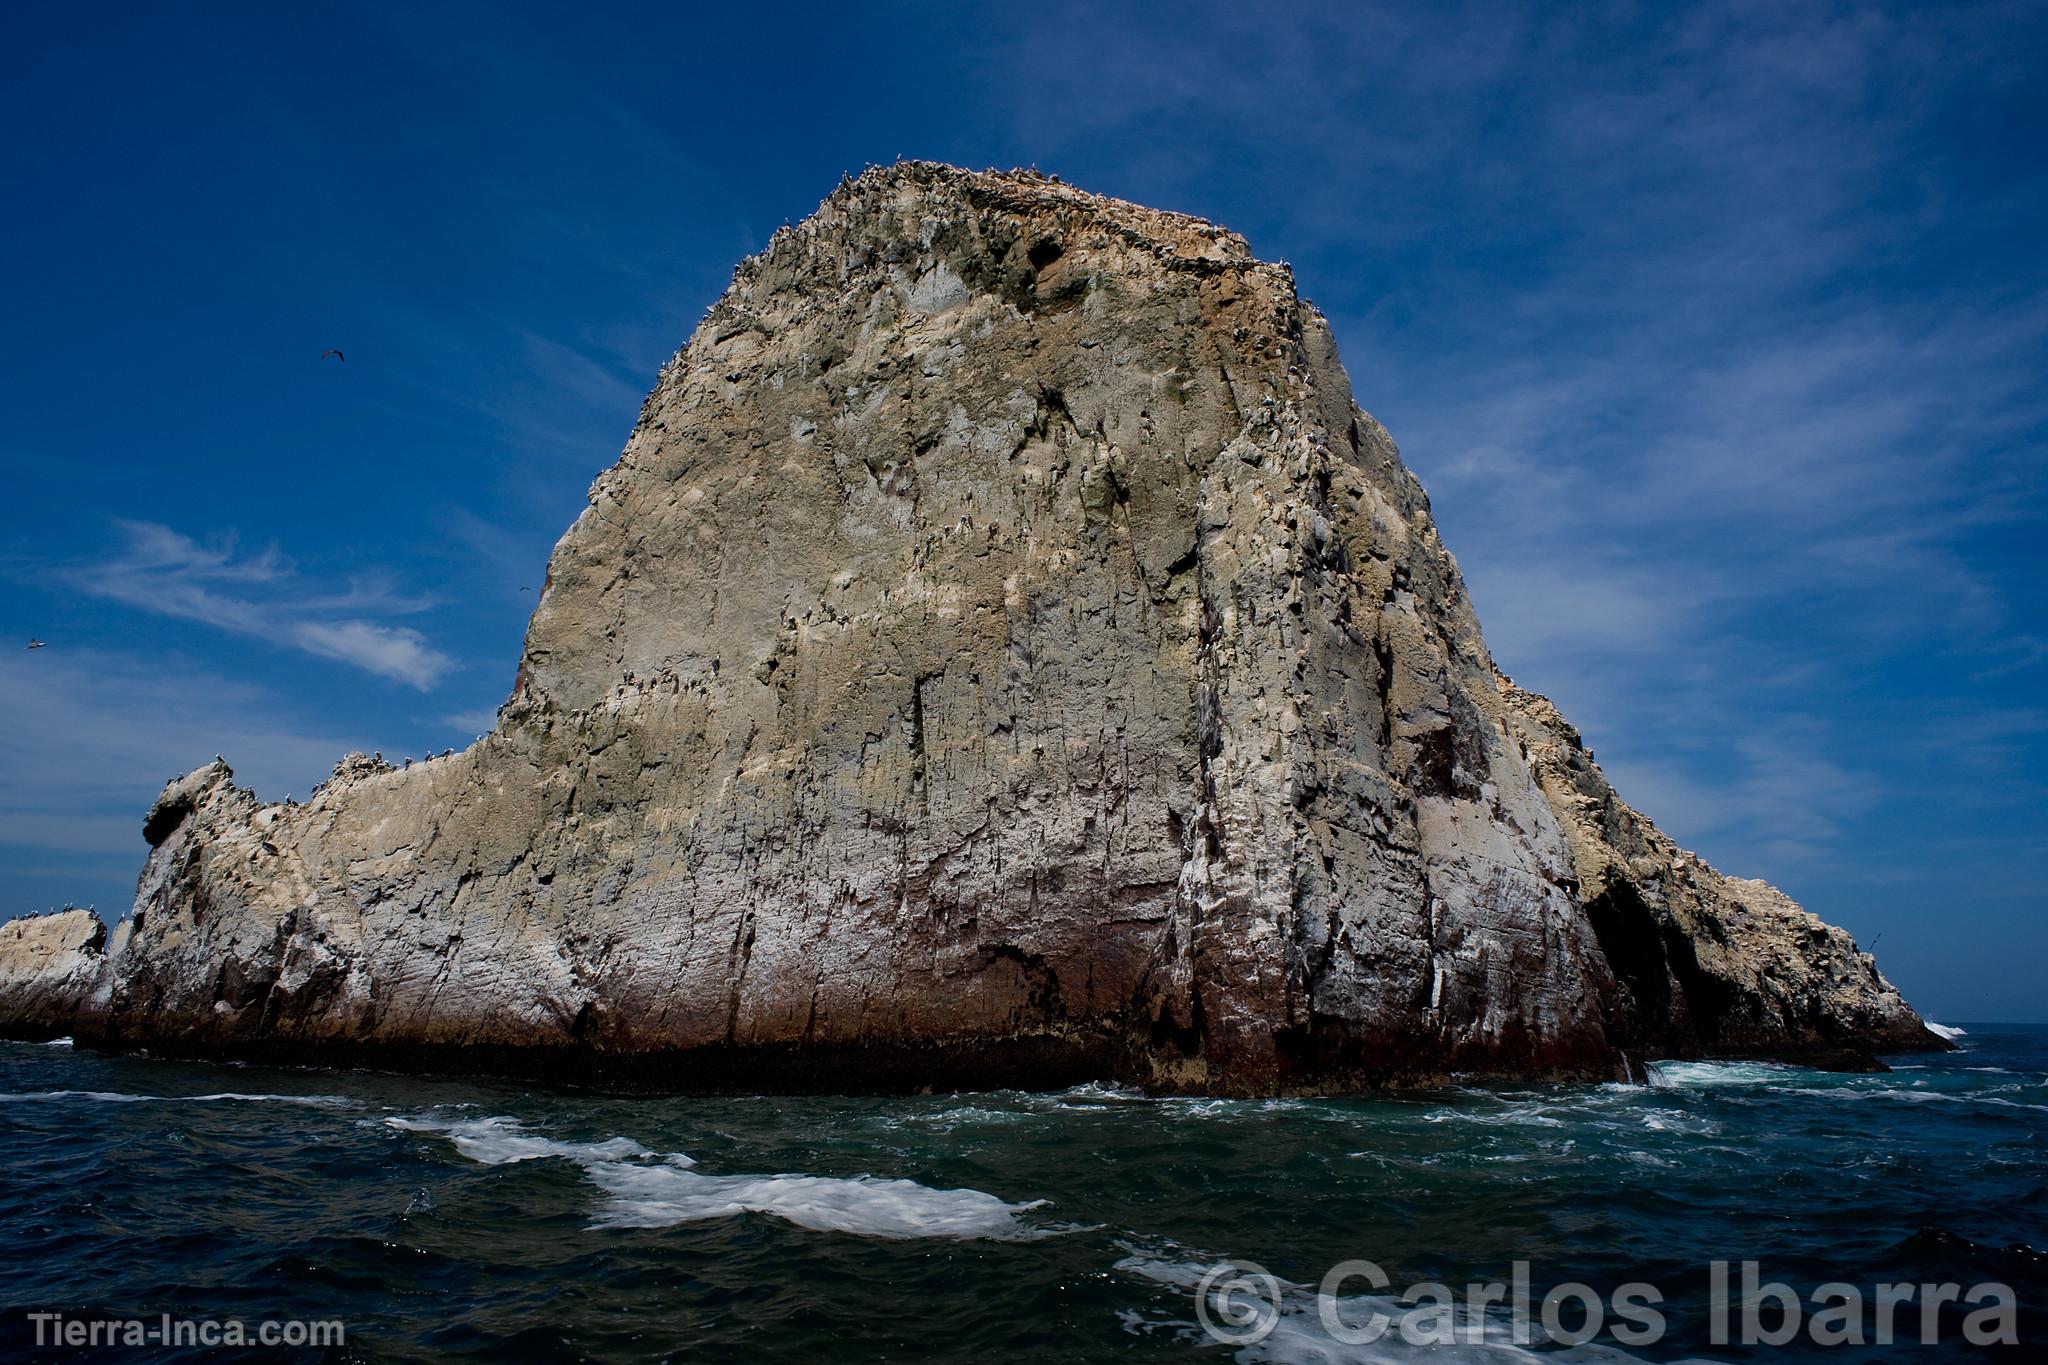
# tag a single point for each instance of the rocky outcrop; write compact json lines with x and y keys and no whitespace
{"x":1704,"y":964}
{"x":49,"y":966}
{"x":1003,"y":654}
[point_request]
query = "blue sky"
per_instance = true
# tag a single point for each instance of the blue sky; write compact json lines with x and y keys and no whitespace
{"x":1717,"y":334}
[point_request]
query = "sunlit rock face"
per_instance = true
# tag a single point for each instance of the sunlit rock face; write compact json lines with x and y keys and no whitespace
{"x":49,"y":967}
{"x":1004,"y":653}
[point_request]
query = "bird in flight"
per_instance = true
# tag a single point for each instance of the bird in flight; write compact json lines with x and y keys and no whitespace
{"x":334,"y":351}
{"x":34,"y":643}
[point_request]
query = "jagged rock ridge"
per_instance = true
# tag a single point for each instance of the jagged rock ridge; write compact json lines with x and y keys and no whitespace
{"x":1003,"y":653}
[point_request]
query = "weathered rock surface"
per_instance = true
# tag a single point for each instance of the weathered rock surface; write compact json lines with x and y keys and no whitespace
{"x":1704,"y":964}
{"x":49,"y":966}
{"x":1004,"y":653}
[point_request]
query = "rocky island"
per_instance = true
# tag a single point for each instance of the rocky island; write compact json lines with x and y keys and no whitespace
{"x":1005,"y":654}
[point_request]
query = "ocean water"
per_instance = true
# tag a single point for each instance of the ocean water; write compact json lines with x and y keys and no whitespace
{"x":442,"y":1219}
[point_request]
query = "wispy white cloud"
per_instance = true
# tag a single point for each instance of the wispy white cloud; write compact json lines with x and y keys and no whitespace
{"x":163,"y":571}
{"x":398,"y":652}
{"x":573,"y":374}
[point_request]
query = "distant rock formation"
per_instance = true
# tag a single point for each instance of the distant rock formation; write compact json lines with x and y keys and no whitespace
{"x":49,"y":966}
{"x":1004,"y":654}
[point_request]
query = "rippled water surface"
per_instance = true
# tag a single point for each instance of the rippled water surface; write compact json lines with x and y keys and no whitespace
{"x":462,"y":1220}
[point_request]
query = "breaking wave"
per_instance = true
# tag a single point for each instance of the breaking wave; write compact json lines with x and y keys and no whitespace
{"x":647,"y":1189}
{"x":1698,"y":1075}
{"x":502,"y":1141}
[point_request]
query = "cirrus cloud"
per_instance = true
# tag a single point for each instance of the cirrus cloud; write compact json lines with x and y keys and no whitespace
{"x":163,"y":571}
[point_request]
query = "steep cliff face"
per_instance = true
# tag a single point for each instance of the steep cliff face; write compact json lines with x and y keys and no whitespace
{"x":1004,"y":652}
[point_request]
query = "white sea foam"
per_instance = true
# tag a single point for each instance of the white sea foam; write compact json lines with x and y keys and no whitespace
{"x":646,"y":1189}
{"x":1700,"y":1075}
{"x":1713,"y":1074}
{"x":1678,"y":1121}
{"x":501,"y":1141}
{"x":120,"y":1097}
{"x":1098,"y":1093}
{"x":1944,"y":1031}
{"x":659,"y":1196}
{"x":966,"y":1116}
{"x":1524,"y":1115}
{"x":317,"y":1101}
{"x":1927,"y":1097}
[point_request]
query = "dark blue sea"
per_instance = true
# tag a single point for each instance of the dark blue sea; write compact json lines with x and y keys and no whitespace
{"x":467,"y":1220}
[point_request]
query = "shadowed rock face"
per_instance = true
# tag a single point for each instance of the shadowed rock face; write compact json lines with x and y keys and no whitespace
{"x":1003,"y":654}
{"x":1704,"y":964}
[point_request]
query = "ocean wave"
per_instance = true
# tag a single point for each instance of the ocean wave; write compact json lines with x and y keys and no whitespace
{"x":659,"y":1196}
{"x":1698,"y":1075}
{"x":1924,"y":1097}
{"x":1529,"y":1115}
{"x":1097,"y":1094}
{"x":1678,"y":1121}
{"x":1792,"y":1080}
{"x":502,"y":1141}
{"x":647,"y":1189}
{"x":1944,"y":1031}
{"x":970,"y":1115}
{"x":1182,"y":1107}
{"x":121,"y":1097}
